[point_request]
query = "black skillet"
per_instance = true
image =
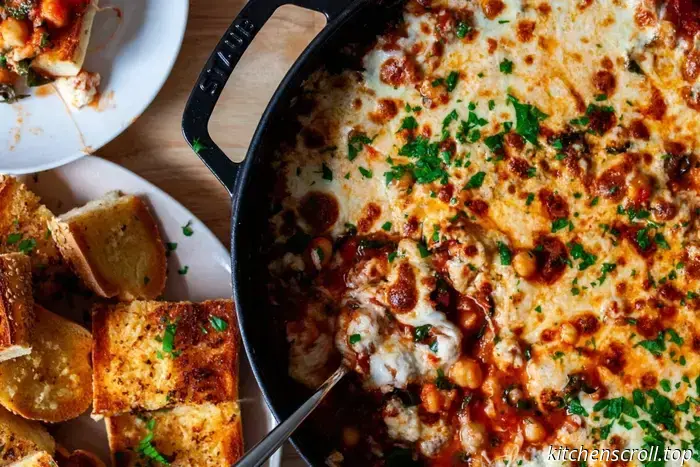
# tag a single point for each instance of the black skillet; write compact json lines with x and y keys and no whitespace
{"x":250,"y":182}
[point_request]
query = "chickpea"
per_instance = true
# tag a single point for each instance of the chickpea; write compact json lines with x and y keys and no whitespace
{"x":321,"y":252}
{"x":14,"y":32}
{"x":524,"y":264}
{"x":534,"y":431}
{"x":430,"y":396}
{"x":351,"y":436}
{"x":466,"y":373}
{"x":568,"y":333}
{"x":472,"y":436}
{"x":469,"y":320}
{"x":55,"y":12}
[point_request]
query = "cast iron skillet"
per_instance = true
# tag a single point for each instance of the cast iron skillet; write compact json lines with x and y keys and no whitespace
{"x":250,"y":182}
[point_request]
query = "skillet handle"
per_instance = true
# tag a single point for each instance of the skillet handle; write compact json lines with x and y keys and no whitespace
{"x":217,"y":71}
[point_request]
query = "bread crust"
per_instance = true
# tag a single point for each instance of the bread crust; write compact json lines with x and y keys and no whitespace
{"x":20,"y":438}
{"x":133,"y":371}
{"x":72,"y":234}
{"x":201,"y":435}
{"x":77,"y":458}
{"x":23,"y":217}
{"x":16,"y":305}
{"x":37,"y":459}
{"x":54,"y":383}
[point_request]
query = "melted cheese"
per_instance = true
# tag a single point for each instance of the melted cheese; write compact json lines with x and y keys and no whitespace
{"x":590,"y":103}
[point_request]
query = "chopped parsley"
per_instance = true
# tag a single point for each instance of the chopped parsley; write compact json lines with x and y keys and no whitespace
{"x":463,"y":29}
{"x":386,"y":226}
{"x":420,"y":333}
{"x":354,"y":339}
{"x":658,"y":346}
{"x":476,"y":180}
{"x":451,"y":81}
{"x":170,"y":247}
{"x":560,"y":224}
{"x":187,"y":229}
{"x":578,"y":252}
{"x":530,"y":198}
{"x":505,"y":254}
{"x":365,"y":172}
{"x":327,"y":173}
{"x":27,"y":245}
{"x":442,"y":382}
{"x":408,"y":123}
{"x":527,"y":119}
{"x":168,"y":340}
{"x":197,"y":146}
{"x":183,"y":270}
{"x":423,"y":250}
{"x":13,"y":238}
{"x":506,"y":66}
{"x":219,"y":324}
{"x":146,"y":448}
{"x":356,"y":143}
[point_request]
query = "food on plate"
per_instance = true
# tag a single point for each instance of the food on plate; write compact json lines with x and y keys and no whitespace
{"x":203,"y":435}
{"x":155,"y":355}
{"x":79,"y":90}
{"x":114,"y":245}
{"x":24,"y":229}
{"x":77,"y":458}
{"x":42,"y":40}
{"x":20,"y":438}
{"x":16,"y":305}
{"x":494,"y":223}
{"x":54,"y":382}
{"x":37,"y":459}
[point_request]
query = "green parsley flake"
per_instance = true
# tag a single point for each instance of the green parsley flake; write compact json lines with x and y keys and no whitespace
{"x":327,"y":173}
{"x":527,"y":119}
{"x":365,"y":172}
{"x":219,"y":324}
{"x":187,"y":229}
{"x":505,"y":254}
{"x":506,"y":66}
{"x":476,"y":180}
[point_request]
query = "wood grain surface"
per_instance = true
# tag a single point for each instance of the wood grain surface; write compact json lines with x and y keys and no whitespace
{"x":153,"y":146}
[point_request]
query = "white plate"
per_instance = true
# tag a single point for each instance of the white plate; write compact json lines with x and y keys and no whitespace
{"x":208,"y":276}
{"x":134,"y":55}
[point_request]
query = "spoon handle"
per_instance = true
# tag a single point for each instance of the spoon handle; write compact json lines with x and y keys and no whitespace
{"x":276,"y":438}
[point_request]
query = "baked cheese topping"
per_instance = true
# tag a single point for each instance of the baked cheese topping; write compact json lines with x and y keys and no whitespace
{"x":495,"y":222}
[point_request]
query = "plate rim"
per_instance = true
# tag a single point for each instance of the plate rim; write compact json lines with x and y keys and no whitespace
{"x":59,"y":162}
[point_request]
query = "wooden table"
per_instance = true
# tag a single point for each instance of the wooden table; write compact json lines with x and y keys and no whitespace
{"x":153,"y":146}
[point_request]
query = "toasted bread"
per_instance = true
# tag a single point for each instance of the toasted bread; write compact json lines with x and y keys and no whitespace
{"x":78,"y":458}
{"x":153,"y":355}
{"x":24,"y":228}
{"x":113,"y":244}
{"x":16,"y":305}
{"x":67,"y":54}
{"x":201,"y":435}
{"x":38,"y":459}
{"x":53,"y":383}
{"x":20,"y":437}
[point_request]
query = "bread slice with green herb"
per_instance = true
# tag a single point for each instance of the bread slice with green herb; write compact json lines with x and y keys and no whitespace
{"x":154,"y":355}
{"x":114,"y":245}
{"x":24,"y":229}
{"x":53,"y":383}
{"x":16,"y":305}
{"x":37,"y":459}
{"x":20,"y":438}
{"x":202,"y":435}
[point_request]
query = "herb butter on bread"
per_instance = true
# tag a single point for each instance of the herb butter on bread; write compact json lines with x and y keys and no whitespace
{"x":201,"y":435}
{"x":54,"y":382}
{"x":114,"y":246}
{"x":155,"y":355}
{"x":16,"y":305}
{"x":20,"y":438}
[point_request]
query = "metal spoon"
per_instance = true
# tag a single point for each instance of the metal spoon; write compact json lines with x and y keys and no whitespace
{"x":277,"y":437}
